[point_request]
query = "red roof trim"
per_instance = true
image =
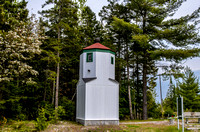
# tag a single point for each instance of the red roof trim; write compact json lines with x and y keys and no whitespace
{"x":97,"y":46}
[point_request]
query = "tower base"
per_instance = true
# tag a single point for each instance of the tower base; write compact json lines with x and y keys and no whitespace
{"x":97,"y":122}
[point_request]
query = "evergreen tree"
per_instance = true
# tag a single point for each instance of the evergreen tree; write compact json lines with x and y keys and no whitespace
{"x":61,"y":22}
{"x":189,"y":90}
{"x":153,"y":109}
{"x":170,"y":100}
{"x":89,"y":27}
{"x":120,"y":37}
{"x":154,"y":33}
{"x":173,"y":72}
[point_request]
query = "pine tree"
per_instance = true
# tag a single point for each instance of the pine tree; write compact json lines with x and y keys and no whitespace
{"x":61,"y":22}
{"x":170,"y":100}
{"x":89,"y":27}
{"x":189,"y":90}
{"x":120,"y":37}
{"x":154,"y":33}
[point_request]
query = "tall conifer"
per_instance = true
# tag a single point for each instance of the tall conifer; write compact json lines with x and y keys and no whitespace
{"x":155,"y":31}
{"x":189,"y":89}
{"x":60,"y":22}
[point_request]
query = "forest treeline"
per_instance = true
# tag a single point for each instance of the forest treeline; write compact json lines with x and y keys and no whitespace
{"x":39,"y":59}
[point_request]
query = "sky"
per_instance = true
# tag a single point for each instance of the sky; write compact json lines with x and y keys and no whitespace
{"x":187,"y":8}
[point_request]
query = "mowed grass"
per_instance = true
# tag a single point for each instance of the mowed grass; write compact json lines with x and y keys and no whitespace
{"x":29,"y":126}
{"x":137,"y":128}
{"x":150,"y":128}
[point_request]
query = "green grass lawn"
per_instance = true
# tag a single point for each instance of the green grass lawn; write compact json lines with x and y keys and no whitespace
{"x":29,"y":126}
{"x":137,"y":128}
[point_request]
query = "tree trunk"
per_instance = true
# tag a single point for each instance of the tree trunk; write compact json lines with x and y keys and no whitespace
{"x":58,"y":63}
{"x":53,"y":94}
{"x":128,"y":83}
{"x":57,"y":83}
{"x":129,"y":93}
{"x":138,"y":88}
{"x":145,"y":91}
{"x":45,"y":88}
{"x":134,"y":111}
{"x":145,"y":117}
{"x":118,"y":66}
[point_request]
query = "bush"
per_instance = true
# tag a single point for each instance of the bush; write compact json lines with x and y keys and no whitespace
{"x":3,"y":120}
{"x":69,"y":107}
{"x":56,"y":114}
{"x":124,"y":114}
{"x":41,"y":122}
{"x":48,"y":115}
{"x":168,"y":113}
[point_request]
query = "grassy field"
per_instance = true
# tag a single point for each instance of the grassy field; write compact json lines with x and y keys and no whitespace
{"x":66,"y":126}
{"x":18,"y":126}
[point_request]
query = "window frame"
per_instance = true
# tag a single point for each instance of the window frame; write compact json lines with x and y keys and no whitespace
{"x":87,"y":57}
{"x":112,"y":60}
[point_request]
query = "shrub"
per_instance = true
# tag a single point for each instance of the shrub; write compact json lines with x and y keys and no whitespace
{"x":69,"y":107}
{"x":41,"y":122}
{"x":56,"y":114}
{"x":168,"y":112}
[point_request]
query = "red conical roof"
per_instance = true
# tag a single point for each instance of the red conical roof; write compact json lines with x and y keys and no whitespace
{"x":97,"y":46}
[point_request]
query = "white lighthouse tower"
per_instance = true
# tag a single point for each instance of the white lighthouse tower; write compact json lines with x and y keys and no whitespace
{"x":97,"y":90}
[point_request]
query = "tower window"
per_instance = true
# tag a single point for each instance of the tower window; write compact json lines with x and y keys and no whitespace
{"x":89,"y":57}
{"x":112,"y":60}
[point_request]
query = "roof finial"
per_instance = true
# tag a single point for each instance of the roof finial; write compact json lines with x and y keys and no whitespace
{"x":97,"y":40}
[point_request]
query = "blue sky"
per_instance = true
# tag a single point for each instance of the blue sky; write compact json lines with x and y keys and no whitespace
{"x":187,"y":8}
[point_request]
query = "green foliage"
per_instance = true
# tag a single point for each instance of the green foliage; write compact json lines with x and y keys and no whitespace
{"x":56,"y":115}
{"x":137,"y":30}
{"x":189,"y":90}
{"x":90,"y":28}
{"x":17,"y":47}
{"x":62,"y":47}
{"x":3,"y":120}
{"x":15,"y":107}
{"x":119,"y":23}
{"x":143,"y":33}
{"x":153,"y":109}
{"x":123,"y":103}
{"x":69,"y":109}
{"x":170,"y":100}
{"x":10,"y":10}
{"x":48,"y":115}
{"x":175,"y":54}
{"x":168,"y":112}
{"x":41,"y":122}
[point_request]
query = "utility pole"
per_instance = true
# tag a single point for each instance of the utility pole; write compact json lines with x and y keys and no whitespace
{"x":161,"y":95}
